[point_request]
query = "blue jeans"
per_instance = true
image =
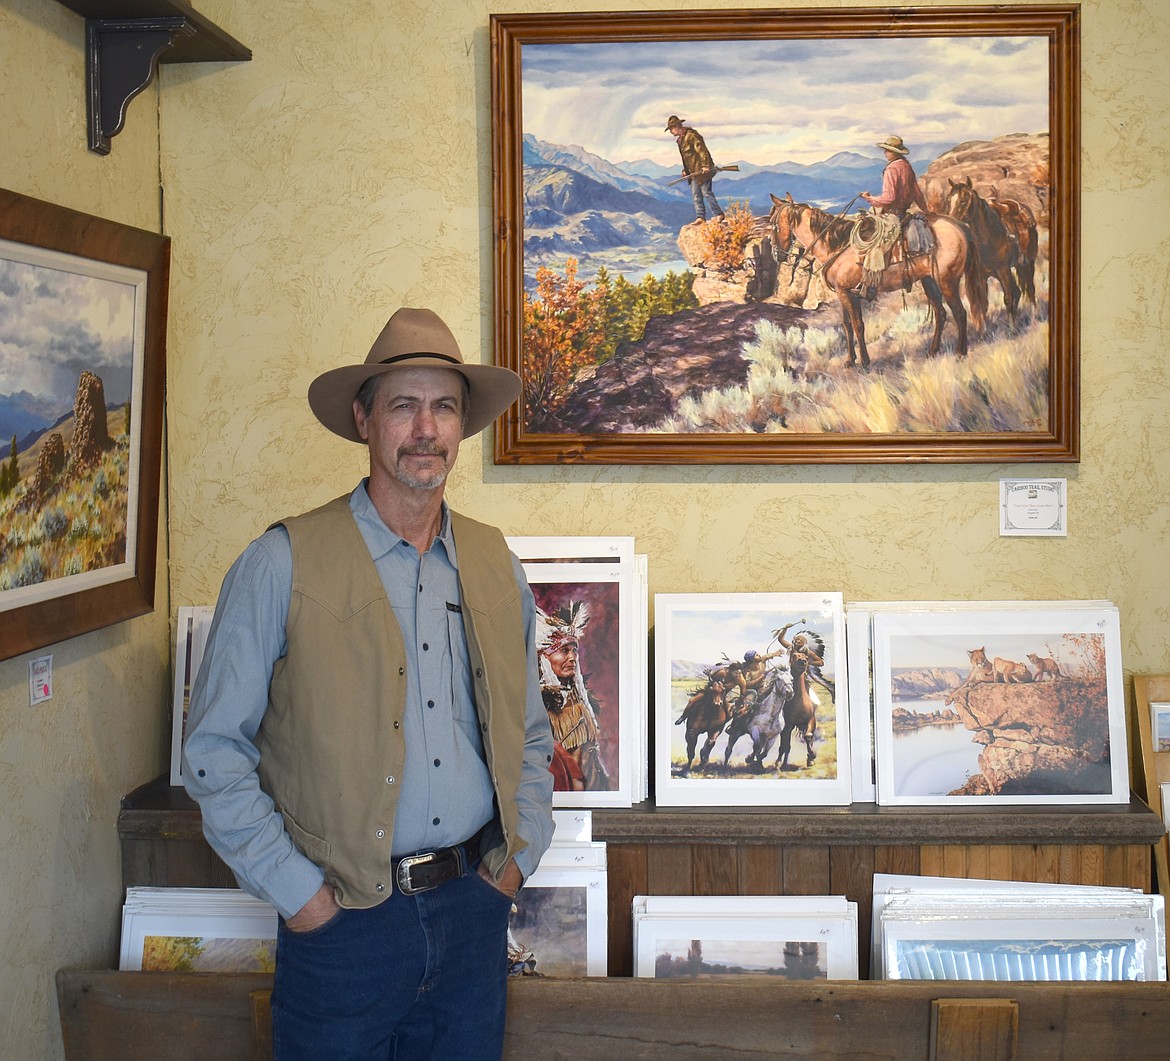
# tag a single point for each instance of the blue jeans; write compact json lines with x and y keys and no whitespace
{"x":416,"y":977}
{"x":704,"y":197}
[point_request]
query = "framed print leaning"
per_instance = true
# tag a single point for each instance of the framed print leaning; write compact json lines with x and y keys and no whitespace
{"x":751,"y":700}
{"x":588,"y":639}
{"x":1010,"y":705}
{"x":83,"y":306}
{"x":698,"y":261}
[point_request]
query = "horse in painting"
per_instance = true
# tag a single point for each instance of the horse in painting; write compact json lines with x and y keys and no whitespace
{"x":998,"y":250}
{"x":951,"y":263}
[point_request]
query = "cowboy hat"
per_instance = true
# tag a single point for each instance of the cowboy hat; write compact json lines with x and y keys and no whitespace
{"x":671,"y":122}
{"x":894,"y":143}
{"x":412,"y":338}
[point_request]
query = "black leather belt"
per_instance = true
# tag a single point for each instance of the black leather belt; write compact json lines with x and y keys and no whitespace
{"x":425,"y":870}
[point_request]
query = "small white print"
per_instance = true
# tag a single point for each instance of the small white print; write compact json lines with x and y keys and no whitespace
{"x":1033,"y":507}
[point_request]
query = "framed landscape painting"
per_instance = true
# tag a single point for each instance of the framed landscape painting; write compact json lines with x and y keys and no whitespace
{"x":688,"y":269}
{"x":1009,"y":706}
{"x":83,"y":322}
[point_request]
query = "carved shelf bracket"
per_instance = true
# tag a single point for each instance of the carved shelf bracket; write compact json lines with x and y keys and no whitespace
{"x":125,"y":40}
{"x":121,"y":59}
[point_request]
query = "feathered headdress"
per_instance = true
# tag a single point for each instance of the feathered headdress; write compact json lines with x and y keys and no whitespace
{"x":562,"y":626}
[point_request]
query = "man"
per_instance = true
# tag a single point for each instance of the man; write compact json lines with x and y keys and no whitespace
{"x":900,"y":188}
{"x":752,"y":675}
{"x":570,"y":707}
{"x":697,"y":167}
{"x":367,"y":739}
{"x":900,"y":192}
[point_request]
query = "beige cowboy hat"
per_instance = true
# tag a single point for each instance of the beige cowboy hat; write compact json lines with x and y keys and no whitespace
{"x":671,"y":122}
{"x":894,"y":143}
{"x":412,"y":338}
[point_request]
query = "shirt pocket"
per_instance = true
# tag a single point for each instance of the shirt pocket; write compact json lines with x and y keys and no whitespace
{"x":462,"y":689}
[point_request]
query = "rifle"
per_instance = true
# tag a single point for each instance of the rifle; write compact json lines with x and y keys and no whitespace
{"x":687,"y":176}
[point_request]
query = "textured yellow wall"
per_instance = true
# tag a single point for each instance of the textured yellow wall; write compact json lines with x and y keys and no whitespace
{"x":65,"y":764}
{"x":345,"y":171}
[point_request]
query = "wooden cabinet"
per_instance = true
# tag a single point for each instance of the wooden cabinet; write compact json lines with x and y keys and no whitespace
{"x":751,"y":850}
{"x":701,"y":851}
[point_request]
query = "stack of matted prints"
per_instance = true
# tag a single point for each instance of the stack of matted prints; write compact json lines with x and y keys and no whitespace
{"x":559,"y":918}
{"x":219,"y":930}
{"x":989,"y":703}
{"x":940,"y":928}
{"x":751,"y":698}
{"x":592,"y":592}
{"x":773,"y":937}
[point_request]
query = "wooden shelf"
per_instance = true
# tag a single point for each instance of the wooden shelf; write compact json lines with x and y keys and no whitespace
{"x":125,"y":40}
{"x":208,"y":43}
{"x":865,"y":823}
{"x":161,"y":810}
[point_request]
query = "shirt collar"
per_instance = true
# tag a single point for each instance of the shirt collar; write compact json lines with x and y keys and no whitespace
{"x":380,"y":539}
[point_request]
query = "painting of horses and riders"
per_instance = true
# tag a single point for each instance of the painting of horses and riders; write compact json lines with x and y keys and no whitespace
{"x":768,"y":303}
{"x":750,"y":699}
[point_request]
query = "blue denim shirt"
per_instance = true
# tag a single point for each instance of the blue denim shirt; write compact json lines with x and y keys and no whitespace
{"x":446,"y":792}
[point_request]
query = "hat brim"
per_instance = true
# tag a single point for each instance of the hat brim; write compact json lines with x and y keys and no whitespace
{"x":331,"y":395}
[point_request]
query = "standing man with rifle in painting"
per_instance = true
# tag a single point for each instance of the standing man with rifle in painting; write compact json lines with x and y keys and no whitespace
{"x":698,"y":168}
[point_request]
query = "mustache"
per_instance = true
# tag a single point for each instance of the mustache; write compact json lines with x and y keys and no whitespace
{"x":423,"y":449}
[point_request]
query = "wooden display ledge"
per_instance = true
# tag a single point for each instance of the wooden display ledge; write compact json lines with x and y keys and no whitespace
{"x":159,"y":810}
{"x":223,"y":1017}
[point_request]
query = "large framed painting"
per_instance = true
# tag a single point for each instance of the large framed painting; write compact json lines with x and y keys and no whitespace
{"x":83,"y":306}
{"x":788,"y":236}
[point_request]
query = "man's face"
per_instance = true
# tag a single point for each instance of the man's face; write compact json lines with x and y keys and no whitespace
{"x":414,"y":426}
{"x":563,"y":660}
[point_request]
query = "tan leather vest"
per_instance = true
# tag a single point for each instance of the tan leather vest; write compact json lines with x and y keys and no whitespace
{"x":331,"y":743}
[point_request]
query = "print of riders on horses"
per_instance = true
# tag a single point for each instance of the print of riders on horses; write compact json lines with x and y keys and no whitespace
{"x":760,"y":699}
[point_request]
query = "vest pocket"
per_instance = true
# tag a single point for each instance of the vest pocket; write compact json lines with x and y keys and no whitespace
{"x":312,"y":847}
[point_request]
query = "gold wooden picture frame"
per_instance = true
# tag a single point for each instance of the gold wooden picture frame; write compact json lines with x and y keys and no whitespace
{"x":643,"y":338}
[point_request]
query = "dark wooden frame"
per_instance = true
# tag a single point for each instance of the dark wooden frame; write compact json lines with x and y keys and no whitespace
{"x":1060,"y":24}
{"x":40,"y":224}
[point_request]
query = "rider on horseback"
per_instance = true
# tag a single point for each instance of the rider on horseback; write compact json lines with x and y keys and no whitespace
{"x":753,"y":673}
{"x":900,"y":192}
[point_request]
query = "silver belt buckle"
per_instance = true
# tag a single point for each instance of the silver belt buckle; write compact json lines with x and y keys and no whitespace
{"x":406,"y":865}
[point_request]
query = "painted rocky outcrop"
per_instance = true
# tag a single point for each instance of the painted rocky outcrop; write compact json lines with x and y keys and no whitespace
{"x":50,"y":464}
{"x":1048,"y":738}
{"x":91,"y":436}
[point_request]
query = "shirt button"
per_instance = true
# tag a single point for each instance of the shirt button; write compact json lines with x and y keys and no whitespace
{"x":390,"y":780}
{"x":401,"y":671}
{"x":380,"y":887}
{"x":434,"y":821}
{"x":436,"y":762}
{"x":396,"y":723}
{"x":380,"y":834}
{"x":426,"y":647}
{"x":430,"y":703}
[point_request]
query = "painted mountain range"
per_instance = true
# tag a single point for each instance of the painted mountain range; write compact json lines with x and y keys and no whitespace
{"x":577,"y":203}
